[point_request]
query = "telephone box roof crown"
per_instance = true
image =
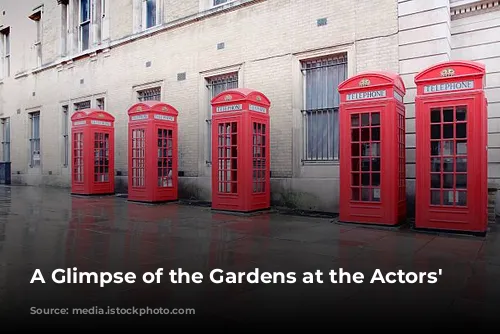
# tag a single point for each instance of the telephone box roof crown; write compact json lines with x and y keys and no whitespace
{"x":460,"y":68}
{"x":237,"y":94}
{"x":373,"y":78}
{"x":92,"y":113}
{"x":156,"y":106}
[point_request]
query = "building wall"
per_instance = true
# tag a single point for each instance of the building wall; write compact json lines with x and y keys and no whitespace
{"x":442,"y":30}
{"x":476,"y":38}
{"x":424,"y":40}
{"x":264,"y":41}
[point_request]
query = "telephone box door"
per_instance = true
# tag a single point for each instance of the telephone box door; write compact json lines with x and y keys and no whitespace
{"x":137,"y":151}
{"x":78,"y":155}
{"x":165,"y":162}
{"x":449,"y":166}
{"x":101,"y":156}
{"x":227,"y":161}
{"x":260,"y":163}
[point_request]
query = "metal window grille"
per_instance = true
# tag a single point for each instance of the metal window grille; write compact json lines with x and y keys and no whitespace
{"x":321,"y":101}
{"x":100,"y":103}
{"x":6,"y":139}
{"x":219,"y":2}
{"x":215,"y":86}
{"x":65,"y":134}
{"x":82,"y":105}
{"x":150,"y":94}
{"x":85,"y":19}
{"x":35,"y":156}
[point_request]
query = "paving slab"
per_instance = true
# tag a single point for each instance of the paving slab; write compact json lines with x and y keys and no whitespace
{"x":47,"y":229}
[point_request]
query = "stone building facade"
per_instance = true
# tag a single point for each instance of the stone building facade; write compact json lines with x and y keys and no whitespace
{"x":59,"y":56}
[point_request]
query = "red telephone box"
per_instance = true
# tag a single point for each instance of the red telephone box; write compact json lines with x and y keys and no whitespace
{"x":451,"y":155}
{"x":152,"y":152}
{"x":240,"y":151}
{"x":372,"y":161}
{"x":93,"y":152}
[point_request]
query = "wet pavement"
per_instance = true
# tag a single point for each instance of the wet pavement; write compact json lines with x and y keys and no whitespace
{"x":47,"y":229}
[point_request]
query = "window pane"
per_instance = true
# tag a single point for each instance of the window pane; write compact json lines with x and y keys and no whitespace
{"x":85,"y":28}
{"x":150,"y":13}
{"x":7,"y":44}
{"x":219,"y":2}
{"x":435,"y":115}
{"x":461,"y":114}
{"x":84,"y":10}
{"x":7,"y":129}
{"x":36,"y":126}
{"x":448,"y":115}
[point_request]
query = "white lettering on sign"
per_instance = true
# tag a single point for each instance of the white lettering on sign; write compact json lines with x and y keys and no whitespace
{"x":449,"y":86}
{"x":374,"y":94}
{"x":234,"y":107}
{"x":139,"y":117}
{"x":257,"y":108}
{"x":79,"y":123}
{"x":164,"y":117}
{"x":96,"y":122}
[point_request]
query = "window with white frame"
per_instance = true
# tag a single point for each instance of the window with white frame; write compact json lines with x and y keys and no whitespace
{"x":34,"y":141}
{"x":6,"y":139}
{"x":149,"y":94}
{"x":320,"y":115}
{"x":85,"y":19}
{"x":65,"y":135}
{"x":5,"y":48}
{"x":150,"y":13}
{"x":99,"y":103}
{"x":36,"y":16}
{"x":64,"y":27}
{"x":216,"y":85}
{"x":81,"y":105}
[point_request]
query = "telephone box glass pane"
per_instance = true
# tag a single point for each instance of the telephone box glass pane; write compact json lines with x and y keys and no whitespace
{"x":138,"y":158}
{"x":259,"y":157}
{"x":78,"y":168}
{"x":448,"y":179}
{"x":436,"y":115}
{"x":355,"y":120}
{"x":227,"y":160}
{"x":101,"y":157}
{"x":165,"y":158}
{"x":365,"y":157}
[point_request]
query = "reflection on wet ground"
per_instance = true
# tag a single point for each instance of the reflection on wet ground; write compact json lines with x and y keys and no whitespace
{"x":44,"y":228}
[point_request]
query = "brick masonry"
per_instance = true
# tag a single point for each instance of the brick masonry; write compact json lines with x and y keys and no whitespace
{"x":264,"y":42}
